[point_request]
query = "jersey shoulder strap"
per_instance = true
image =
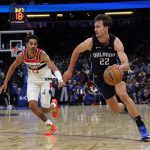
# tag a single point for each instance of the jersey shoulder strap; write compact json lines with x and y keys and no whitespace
{"x":35,"y":59}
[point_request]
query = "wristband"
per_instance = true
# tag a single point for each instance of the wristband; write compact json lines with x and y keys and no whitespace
{"x":58,"y":75}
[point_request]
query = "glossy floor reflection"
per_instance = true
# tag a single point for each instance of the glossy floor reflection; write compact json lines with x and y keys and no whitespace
{"x":79,"y":128}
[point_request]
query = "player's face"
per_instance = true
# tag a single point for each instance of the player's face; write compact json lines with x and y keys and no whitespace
{"x":100,"y":29}
{"x":32,"y":44}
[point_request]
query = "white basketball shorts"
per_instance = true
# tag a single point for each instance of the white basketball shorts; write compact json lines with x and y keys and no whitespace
{"x":42,"y":88}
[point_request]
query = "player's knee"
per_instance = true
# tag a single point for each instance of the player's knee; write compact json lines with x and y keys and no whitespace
{"x":123,"y":96}
{"x":33,"y":105}
{"x":45,"y":110}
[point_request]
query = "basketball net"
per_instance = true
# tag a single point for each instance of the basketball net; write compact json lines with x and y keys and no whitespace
{"x":14,"y":51}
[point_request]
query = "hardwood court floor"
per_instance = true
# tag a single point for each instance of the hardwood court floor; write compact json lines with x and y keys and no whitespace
{"x":79,"y":128}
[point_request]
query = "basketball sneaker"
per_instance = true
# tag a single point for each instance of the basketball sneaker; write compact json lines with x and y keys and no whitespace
{"x":56,"y":110}
{"x":145,"y":136}
{"x":50,"y":129}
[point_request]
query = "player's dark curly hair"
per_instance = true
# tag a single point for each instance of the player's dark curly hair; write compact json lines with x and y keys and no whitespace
{"x":32,"y":37}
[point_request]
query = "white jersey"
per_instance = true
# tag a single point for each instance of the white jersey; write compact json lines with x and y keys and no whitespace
{"x":37,"y":71}
{"x":36,"y":83}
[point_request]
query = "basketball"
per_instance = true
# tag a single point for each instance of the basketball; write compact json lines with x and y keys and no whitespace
{"x":112,"y":75}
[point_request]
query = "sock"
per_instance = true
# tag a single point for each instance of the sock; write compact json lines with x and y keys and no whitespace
{"x":138,"y":121}
{"x":48,"y":122}
{"x":53,"y":104}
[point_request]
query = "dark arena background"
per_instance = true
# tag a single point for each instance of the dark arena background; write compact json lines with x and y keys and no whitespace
{"x":85,"y":121}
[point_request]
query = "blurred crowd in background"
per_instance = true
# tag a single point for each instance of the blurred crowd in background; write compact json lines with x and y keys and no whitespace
{"x":80,"y":90}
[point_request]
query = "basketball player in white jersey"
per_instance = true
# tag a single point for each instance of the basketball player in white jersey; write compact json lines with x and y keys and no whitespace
{"x":39,"y":67}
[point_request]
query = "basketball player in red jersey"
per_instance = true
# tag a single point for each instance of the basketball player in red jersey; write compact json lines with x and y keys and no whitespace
{"x":105,"y":49}
{"x":39,"y":67}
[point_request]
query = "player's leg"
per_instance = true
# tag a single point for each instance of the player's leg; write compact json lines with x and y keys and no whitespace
{"x":33,"y":105}
{"x":114,"y":106}
{"x":46,"y":99}
{"x":111,"y":100}
{"x":108,"y":93}
{"x":47,"y":106}
{"x":123,"y":95}
{"x":132,"y":109}
{"x":33,"y":91}
{"x":33,"y":94}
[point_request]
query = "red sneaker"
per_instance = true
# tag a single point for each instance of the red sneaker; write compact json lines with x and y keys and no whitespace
{"x":56,"y":110}
{"x":50,"y":129}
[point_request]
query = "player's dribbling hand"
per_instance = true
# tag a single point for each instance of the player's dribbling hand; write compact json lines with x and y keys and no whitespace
{"x":3,"y":88}
{"x":61,"y":84}
{"x":67,"y":75}
{"x":117,"y":66}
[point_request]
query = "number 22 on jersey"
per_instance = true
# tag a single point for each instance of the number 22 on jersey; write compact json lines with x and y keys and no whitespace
{"x":104,"y":61}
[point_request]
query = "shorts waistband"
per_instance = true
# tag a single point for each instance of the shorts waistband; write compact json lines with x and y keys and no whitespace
{"x":42,"y":66}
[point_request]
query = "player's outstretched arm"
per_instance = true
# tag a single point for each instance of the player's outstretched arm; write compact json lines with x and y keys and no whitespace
{"x":44,"y":57}
{"x":84,"y":46}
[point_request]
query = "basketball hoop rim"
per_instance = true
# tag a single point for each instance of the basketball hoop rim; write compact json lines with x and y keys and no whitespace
{"x":14,"y":51}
